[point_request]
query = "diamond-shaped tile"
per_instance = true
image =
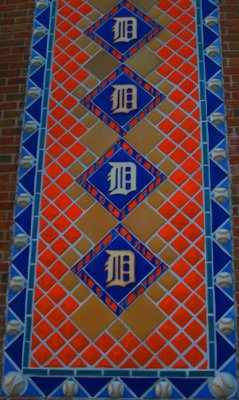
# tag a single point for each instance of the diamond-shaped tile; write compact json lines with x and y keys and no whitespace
{"x":110,"y":32}
{"x":101,"y":180}
{"x":142,"y":142}
{"x":101,"y":64}
{"x":144,"y":62}
{"x":99,"y":139}
{"x":119,"y":269}
{"x":122,"y":99}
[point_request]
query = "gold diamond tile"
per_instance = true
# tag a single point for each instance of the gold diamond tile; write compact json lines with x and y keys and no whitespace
{"x":145,"y":5}
{"x":155,"y":117}
{"x":79,"y":111}
{"x":81,"y":292}
{"x":99,"y":139}
{"x":74,"y":191}
{"x":155,"y":199}
{"x":103,"y":5}
{"x":154,"y":13}
{"x":83,"y":24}
{"x":155,"y":292}
{"x":154,"y":78}
{"x":156,"y":244}
{"x":143,"y":317}
{"x":168,"y":280}
{"x":165,"y":87}
{"x":167,"y":188}
{"x":164,"y":20}
{"x":88,"y":158}
{"x":94,"y":15}
{"x":117,"y":330}
{"x":91,"y":82}
{"x":102,"y":64}
{"x":167,"y":166}
{"x":92,"y":49}
{"x":85,"y":201}
{"x":70,"y":257}
{"x":76,"y":169}
{"x":89,"y":120}
{"x":83,"y":245}
{"x":164,"y":36}
{"x":166,"y":107}
{"x":80,"y":92}
{"x":96,"y":223}
{"x":144,"y":137}
{"x":155,"y":156}
{"x":144,"y":62}
{"x":168,"y":255}
{"x":143,"y":222}
{"x":70,"y":281}
{"x":93,"y":317}
{"x":154,"y":44}
{"x":83,"y":41}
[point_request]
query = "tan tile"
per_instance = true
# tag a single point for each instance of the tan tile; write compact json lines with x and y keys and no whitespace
{"x":76,"y":169}
{"x":143,"y":222}
{"x":79,"y":111}
{"x":144,"y":137}
{"x":102,"y":64}
{"x":143,"y":317}
{"x":168,"y":255}
{"x":88,"y":158}
{"x":71,"y":257}
{"x":156,"y":199}
{"x":89,"y":120}
{"x":96,"y":223}
{"x":155,"y":117}
{"x":156,"y":244}
{"x":166,"y":107}
{"x":93,"y":317}
{"x":80,"y":92}
{"x":165,"y":87}
{"x":164,"y":36}
{"x":94,"y":15}
{"x":154,"y":13}
{"x":103,"y":5}
{"x":168,"y":280}
{"x":81,"y":293}
{"x":91,"y":82}
{"x":154,"y":78}
{"x":83,"y":245}
{"x":117,"y":330}
{"x":145,"y":5}
{"x":155,"y":292}
{"x":164,"y":20}
{"x":144,"y":62}
{"x":83,"y":24}
{"x":155,"y":156}
{"x":167,"y":188}
{"x":74,"y":191}
{"x":92,"y":49}
{"x":154,"y":44}
{"x":167,"y":166}
{"x":85,"y":201}
{"x":99,"y":139}
{"x":83,"y":41}
{"x":70,"y":281}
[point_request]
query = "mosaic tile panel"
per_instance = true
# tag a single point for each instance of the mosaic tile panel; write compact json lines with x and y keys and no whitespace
{"x":121,"y":280}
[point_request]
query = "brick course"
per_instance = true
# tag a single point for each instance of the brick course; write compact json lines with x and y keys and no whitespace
{"x":15,"y":37}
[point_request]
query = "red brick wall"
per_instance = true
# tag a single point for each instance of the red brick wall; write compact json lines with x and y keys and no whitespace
{"x":15,"y":36}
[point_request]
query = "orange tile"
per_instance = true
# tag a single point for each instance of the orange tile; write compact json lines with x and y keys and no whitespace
{"x":175,"y":27}
{"x":178,"y":115}
{"x":179,"y":199}
{"x":142,"y":355}
{"x":180,"y":244}
{"x":42,"y":354}
{"x":60,"y":246}
{"x":167,"y":355}
{"x":66,"y":355}
{"x":117,"y":354}
{"x":64,"y":180}
{"x":178,"y":177}
{"x":191,"y":187}
{"x":44,"y":305}
{"x":47,"y":258}
{"x":105,"y":342}
{"x":166,"y":146}
{"x":72,"y":235}
{"x":55,"y":341}
{"x":167,"y":210}
{"x":194,"y":356}
{"x":129,"y":342}
{"x":63,"y":201}
{"x":191,"y":209}
{"x":79,"y":342}
{"x":46,"y":282}
{"x":194,"y":329}
{"x":194,"y":303}
{"x":66,"y":159}
{"x":43,"y":329}
{"x":58,"y":269}
{"x":181,"y":267}
{"x":168,"y":329}
{"x":193,"y":256}
{"x":68,"y":329}
{"x":182,"y":317}
{"x":168,"y":304}
{"x":167,"y":232}
{"x":155,"y":342}
{"x":74,"y":212}
{"x":181,"y":342}
{"x":61,"y":223}
{"x":56,"y":317}
{"x":192,"y":232}
{"x":181,"y":292}
{"x":54,"y":170}
{"x":179,"y":221}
